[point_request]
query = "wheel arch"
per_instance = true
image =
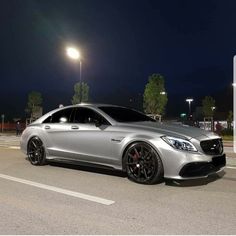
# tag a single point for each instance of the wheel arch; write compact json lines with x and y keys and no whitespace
{"x":139,"y":141}
{"x":34,"y":135}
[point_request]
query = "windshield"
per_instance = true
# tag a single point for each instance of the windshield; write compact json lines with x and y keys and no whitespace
{"x":122,"y":114}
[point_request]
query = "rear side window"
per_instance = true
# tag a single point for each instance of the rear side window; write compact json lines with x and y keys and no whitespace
{"x":123,"y":114}
{"x":62,"y":116}
{"x":88,"y":116}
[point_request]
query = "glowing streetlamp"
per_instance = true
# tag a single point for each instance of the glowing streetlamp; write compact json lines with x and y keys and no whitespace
{"x":74,"y":54}
{"x":163,"y":93}
{"x":189,"y":100}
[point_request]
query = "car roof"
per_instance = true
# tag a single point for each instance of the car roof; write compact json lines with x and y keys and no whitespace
{"x":96,"y":105}
{"x":89,"y":105}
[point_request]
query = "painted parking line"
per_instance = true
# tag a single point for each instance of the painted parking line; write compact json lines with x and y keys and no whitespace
{"x":10,"y":147}
{"x":59,"y":190}
{"x":231,"y":167}
{"x":14,"y":147}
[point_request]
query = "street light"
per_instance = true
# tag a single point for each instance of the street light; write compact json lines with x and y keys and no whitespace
{"x":189,"y":100}
{"x":163,"y":93}
{"x":74,"y":54}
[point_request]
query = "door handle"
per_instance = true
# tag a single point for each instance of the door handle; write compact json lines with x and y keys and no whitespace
{"x":74,"y":127}
{"x":47,"y":127}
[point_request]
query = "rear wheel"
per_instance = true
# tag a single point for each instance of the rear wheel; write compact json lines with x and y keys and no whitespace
{"x":143,"y":164}
{"x":36,"y":151}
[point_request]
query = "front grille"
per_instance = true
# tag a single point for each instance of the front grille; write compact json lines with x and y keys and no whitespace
{"x":212,"y":147}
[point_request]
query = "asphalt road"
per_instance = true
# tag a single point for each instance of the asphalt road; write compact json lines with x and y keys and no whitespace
{"x":61,"y":199}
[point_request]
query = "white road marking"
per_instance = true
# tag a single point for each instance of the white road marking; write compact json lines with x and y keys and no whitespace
{"x":231,"y":167}
{"x":14,"y":147}
{"x":9,"y":147}
{"x":59,"y":190}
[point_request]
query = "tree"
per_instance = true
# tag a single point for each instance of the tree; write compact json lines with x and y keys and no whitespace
{"x":85,"y":93}
{"x":229,"y":120}
{"x":208,"y":104}
{"x":34,"y":102}
{"x":155,"y":97}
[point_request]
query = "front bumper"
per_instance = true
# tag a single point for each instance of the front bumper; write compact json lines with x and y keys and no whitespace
{"x":202,"y":169}
{"x":184,"y":165}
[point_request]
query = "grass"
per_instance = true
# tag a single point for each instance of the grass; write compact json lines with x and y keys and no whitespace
{"x":227,"y":137}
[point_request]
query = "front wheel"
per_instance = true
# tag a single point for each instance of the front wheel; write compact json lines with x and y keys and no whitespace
{"x":142,"y":163}
{"x":36,"y":152}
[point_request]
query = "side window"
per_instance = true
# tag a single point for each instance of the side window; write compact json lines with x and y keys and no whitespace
{"x":62,"y":116}
{"x":48,"y":120}
{"x":88,"y":116}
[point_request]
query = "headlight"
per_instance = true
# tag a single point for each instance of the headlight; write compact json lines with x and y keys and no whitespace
{"x":179,"y":143}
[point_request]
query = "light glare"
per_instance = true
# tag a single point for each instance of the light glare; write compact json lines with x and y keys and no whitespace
{"x":189,"y":100}
{"x":73,"y":53}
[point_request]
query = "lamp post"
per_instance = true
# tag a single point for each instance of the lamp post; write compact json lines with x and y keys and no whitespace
{"x":74,"y":54}
{"x":189,"y":100}
{"x":2,"y":126}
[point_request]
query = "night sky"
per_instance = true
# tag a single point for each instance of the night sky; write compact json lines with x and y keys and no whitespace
{"x":191,"y":43}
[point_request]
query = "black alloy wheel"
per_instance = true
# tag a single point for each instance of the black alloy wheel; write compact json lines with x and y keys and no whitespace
{"x":143,"y":164}
{"x":36,"y":152}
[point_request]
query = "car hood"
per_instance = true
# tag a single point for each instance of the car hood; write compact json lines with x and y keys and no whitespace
{"x":176,"y":130}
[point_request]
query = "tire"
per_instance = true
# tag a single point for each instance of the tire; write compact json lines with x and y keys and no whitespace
{"x":36,"y":152}
{"x":142,"y":164}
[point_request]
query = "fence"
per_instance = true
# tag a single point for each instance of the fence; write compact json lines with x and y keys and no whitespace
{"x":207,"y":125}
{"x":11,"y":126}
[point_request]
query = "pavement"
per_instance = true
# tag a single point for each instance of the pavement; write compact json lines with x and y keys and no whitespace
{"x":46,"y":200}
{"x":9,"y":141}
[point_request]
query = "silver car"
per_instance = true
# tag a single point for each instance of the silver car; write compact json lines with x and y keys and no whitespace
{"x":123,"y":139}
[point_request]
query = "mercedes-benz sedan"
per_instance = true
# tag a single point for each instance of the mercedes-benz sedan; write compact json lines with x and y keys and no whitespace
{"x":124,"y":139}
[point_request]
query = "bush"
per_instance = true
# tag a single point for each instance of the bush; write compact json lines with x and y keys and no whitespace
{"x":227,"y":132}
